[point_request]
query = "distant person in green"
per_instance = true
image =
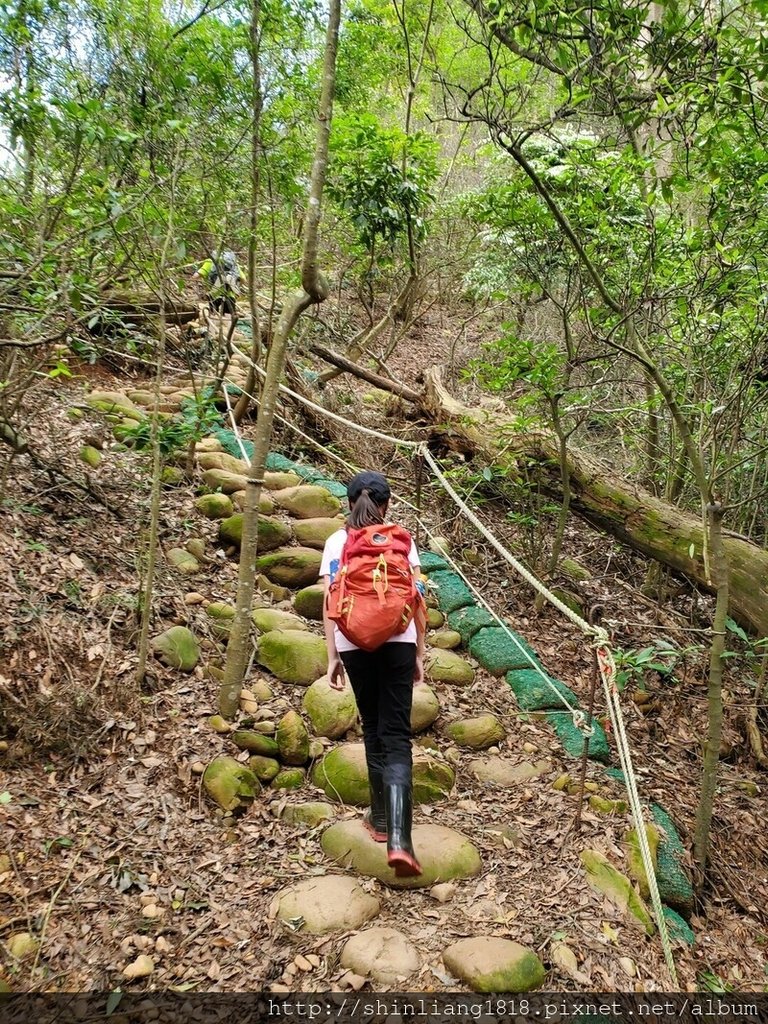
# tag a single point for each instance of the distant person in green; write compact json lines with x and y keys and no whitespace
{"x":223,"y":280}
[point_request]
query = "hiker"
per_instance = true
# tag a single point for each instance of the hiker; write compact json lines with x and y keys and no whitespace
{"x":223,"y":278}
{"x":375,"y":621}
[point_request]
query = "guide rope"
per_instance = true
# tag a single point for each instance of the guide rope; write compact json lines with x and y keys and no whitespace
{"x":599,"y":635}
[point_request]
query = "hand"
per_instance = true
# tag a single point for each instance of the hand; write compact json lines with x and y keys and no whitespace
{"x":336,"y":676}
{"x":418,"y":672}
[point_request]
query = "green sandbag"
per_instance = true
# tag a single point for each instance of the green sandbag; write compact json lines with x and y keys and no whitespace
{"x":468,"y":621}
{"x":533,"y":694}
{"x":679,"y":930}
{"x":573,"y":739}
{"x":617,"y":774}
{"x":277,"y":463}
{"x":228,"y":441}
{"x":430,"y":562}
{"x":500,"y":651}
{"x":337,"y":489}
{"x":452,"y":591}
{"x":674,"y":884}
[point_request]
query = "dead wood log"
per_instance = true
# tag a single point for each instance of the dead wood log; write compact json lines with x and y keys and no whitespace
{"x":603,"y":498}
{"x":343,"y":363}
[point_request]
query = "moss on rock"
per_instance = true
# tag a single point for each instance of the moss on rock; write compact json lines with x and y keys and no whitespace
{"x":293,"y":655}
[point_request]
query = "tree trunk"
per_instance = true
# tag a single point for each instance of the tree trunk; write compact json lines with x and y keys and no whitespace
{"x":714,"y":691}
{"x":314,"y":289}
{"x":606,"y":500}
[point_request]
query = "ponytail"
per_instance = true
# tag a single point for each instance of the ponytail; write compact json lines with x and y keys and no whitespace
{"x":365,"y":512}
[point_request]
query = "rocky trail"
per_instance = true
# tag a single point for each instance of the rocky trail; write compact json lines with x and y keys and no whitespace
{"x":192,"y":853}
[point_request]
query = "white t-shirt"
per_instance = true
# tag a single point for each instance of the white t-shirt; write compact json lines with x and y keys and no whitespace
{"x":330,"y":566}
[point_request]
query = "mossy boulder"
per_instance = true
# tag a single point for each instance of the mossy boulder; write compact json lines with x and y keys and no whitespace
{"x":90,"y":456}
{"x":266,"y":619}
{"x":272,"y":533}
{"x":277,"y":593}
{"x":307,"y":502}
{"x":435,"y":618}
{"x":312,"y":813}
{"x":490,"y":964}
{"x":214,"y":506}
{"x":115,"y":402}
{"x":255,"y":742}
{"x":498,"y":771}
{"x":293,"y":655}
{"x":291,"y":567}
{"x":264,"y":768}
{"x":230,"y":784}
{"x":447,"y":667}
{"x":325,"y":903}
{"x":331,"y":712}
{"x":288,"y":778}
{"x":222,"y":480}
{"x":575,"y":570}
{"x":343,"y":775}
{"x":292,"y":739}
{"x":424,"y":709}
{"x":178,"y":648}
{"x":383,"y":954}
{"x":313,"y":533}
{"x":432,"y":779}
{"x":443,"y":853}
{"x":499,"y":650}
{"x":573,"y":738}
{"x":281,"y":481}
{"x":616,"y":887}
{"x":444,"y":640}
{"x":470,"y":620}
{"x":309,"y":602}
{"x":534,"y":693}
{"x":452,"y":591}
{"x":222,"y":460}
{"x":635,"y":858}
{"x":477,"y":733}
{"x":183,"y":561}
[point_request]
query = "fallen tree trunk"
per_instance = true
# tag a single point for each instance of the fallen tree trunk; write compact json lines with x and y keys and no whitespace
{"x":344,"y":363}
{"x":603,"y":498}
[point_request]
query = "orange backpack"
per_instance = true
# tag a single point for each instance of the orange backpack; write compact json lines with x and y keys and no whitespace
{"x":374,"y":595}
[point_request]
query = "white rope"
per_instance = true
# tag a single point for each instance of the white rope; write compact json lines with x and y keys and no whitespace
{"x":327,"y":412}
{"x":577,"y":715}
{"x":286,"y":422}
{"x":243,"y":450}
{"x":606,"y":663}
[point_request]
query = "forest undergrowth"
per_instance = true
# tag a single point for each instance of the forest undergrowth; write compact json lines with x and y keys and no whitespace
{"x":110,"y":849}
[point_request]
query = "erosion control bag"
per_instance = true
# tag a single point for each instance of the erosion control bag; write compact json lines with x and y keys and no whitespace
{"x":374,"y":595}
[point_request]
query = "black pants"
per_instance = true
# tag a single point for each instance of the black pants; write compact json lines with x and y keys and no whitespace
{"x":382,"y":682}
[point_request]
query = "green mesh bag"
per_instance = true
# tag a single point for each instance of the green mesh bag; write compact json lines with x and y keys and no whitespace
{"x":674,"y":885}
{"x":337,"y":489}
{"x":228,"y":441}
{"x":277,"y":463}
{"x":499,"y":652}
{"x":431,"y":562}
{"x":679,"y":929}
{"x":573,"y":739}
{"x":452,"y":591}
{"x":533,"y":694}
{"x":468,"y":621}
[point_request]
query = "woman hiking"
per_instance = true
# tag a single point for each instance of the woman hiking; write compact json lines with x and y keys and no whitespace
{"x":375,"y":622}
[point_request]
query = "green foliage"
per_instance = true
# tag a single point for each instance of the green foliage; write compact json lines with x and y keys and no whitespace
{"x":661,"y":657}
{"x":381,"y":178}
{"x":199,"y":417}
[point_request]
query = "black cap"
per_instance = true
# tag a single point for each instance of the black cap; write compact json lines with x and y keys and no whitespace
{"x":376,"y":485}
